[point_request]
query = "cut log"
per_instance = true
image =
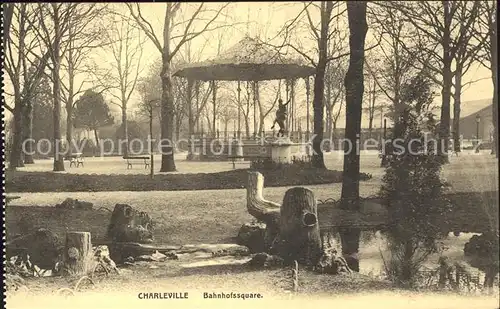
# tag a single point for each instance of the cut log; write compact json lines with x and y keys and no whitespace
{"x":78,"y":256}
{"x":262,"y":209}
{"x":300,"y":238}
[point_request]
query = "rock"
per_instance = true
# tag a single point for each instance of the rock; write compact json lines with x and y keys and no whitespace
{"x":265,"y":260}
{"x":331,"y":263}
{"x":101,"y":251}
{"x":102,"y":255}
{"x":227,"y":260}
{"x":42,"y":248}
{"x":70,"y":203}
{"x":144,"y":258}
{"x":252,"y":235}
{"x":215,"y":249}
{"x":172,"y":256}
{"x":157,"y":256}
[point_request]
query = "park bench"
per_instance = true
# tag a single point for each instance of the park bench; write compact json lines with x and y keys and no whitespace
{"x":145,"y":159}
{"x":245,"y":158}
{"x":76,"y":159}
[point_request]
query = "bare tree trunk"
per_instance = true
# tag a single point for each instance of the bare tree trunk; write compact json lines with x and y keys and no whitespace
{"x":177,"y":129}
{"x":16,"y":154}
{"x":329,"y":112}
{"x":319,"y":86}
{"x":125,"y":127}
{"x":96,"y":136}
{"x":495,"y":110}
{"x":214,"y":107}
{"x":167,"y":100}
{"x":167,"y":124}
{"x":69,"y":125}
{"x":28,"y":132}
{"x":56,"y":58}
{"x":329,"y":127}
{"x":8,"y":12}
{"x":69,"y":102}
{"x":354,"y":87}
{"x":494,"y":77}
{"x":444,"y":124}
{"x":456,"y":109}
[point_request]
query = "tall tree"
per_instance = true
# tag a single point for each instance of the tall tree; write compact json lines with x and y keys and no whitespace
{"x":84,"y":35}
{"x":487,"y":32}
{"x":53,"y":29}
{"x":8,"y":12}
{"x":435,"y":25}
{"x":25,"y":62}
{"x":354,"y":87}
{"x":168,"y":50}
{"x":126,"y":48}
{"x":391,"y":65}
{"x":325,"y":33}
{"x":465,"y":56}
{"x":334,"y":81}
{"x":42,"y":111}
{"x":92,"y":113}
{"x":371,"y":96}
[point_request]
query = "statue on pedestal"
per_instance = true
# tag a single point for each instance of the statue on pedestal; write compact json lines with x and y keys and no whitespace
{"x":281,"y":117}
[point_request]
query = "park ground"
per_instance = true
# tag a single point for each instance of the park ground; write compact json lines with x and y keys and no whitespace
{"x":214,"y":216}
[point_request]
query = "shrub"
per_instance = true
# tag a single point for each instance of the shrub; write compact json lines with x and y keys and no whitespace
{"x":413,"y":191}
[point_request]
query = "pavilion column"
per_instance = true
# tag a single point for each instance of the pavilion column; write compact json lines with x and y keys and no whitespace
{"x":292,"y":107}
{"x":189,"y":95}
{"x":247,"y":123}
{"x":198,"y":114}
{"x":257,"y":112}
{"x":214,"y":97}
{"x":287,"y":97}
{"x":254,"y":86}
{"x":239,"y":110}
{"x":308,"y":88}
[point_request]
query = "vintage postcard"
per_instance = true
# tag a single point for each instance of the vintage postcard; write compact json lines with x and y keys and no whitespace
{"x":250,"y":154}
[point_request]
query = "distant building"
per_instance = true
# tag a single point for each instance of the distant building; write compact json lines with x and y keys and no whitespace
{"x":468,"y":124}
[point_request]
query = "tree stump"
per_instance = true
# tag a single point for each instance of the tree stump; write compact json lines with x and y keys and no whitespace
{"x":78,"y":257}
{"x":129,"y":225}
{"x":300,"y":238}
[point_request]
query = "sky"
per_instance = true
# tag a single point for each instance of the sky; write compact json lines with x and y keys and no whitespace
{"x":266,"y":18}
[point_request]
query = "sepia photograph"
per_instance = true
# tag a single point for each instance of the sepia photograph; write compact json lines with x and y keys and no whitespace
{"x":250,"y":155}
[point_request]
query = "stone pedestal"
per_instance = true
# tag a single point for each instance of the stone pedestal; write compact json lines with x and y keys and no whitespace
{"x":237,"y":149}
{"x":281,"y":150}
